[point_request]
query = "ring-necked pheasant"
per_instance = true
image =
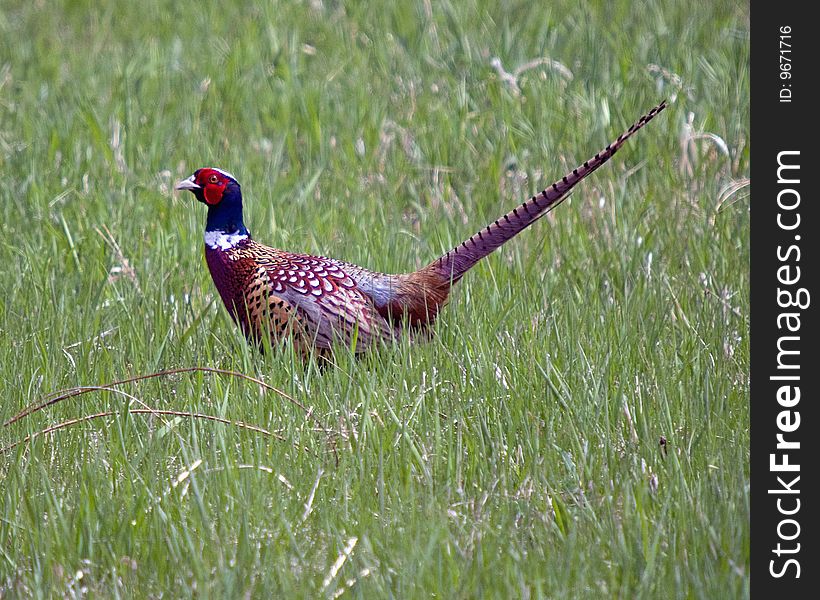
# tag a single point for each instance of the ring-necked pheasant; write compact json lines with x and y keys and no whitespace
{"x":321,"y":301}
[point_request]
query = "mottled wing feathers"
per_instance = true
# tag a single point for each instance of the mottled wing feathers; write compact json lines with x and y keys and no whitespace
{"x":330,"y":307}
{"x":267,"y":312}
{"x":302,"y":273}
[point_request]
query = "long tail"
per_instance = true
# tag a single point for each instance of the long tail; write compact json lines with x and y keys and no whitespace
{"x":463,"y":257}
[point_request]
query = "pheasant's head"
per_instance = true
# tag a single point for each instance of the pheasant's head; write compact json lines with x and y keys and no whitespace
{"x":211,"y":186}
{"x":220,"y":191}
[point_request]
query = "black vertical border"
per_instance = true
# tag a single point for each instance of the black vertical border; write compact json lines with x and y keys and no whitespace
{"x":778,"y":126}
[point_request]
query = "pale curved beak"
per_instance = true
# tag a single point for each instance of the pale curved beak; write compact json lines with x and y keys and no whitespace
{"x":188,"y":184}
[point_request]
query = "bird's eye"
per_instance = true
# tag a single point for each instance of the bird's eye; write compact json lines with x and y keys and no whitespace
{"x":213,"y":179}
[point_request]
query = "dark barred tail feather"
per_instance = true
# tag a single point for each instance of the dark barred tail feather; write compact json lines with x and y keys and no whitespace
{"x":453,"y":265}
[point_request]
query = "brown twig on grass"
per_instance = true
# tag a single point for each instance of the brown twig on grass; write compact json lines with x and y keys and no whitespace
{"x":140,"y":411}
{"x":59,"y":396}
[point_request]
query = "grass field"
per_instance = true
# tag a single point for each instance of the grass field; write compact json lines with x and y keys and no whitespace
{"x":515,"y":454}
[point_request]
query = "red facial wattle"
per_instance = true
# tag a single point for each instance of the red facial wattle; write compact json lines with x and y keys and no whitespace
{"x":213,"y":192}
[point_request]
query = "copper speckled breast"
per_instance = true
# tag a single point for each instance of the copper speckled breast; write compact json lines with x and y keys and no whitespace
{"x":230,"y":271}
